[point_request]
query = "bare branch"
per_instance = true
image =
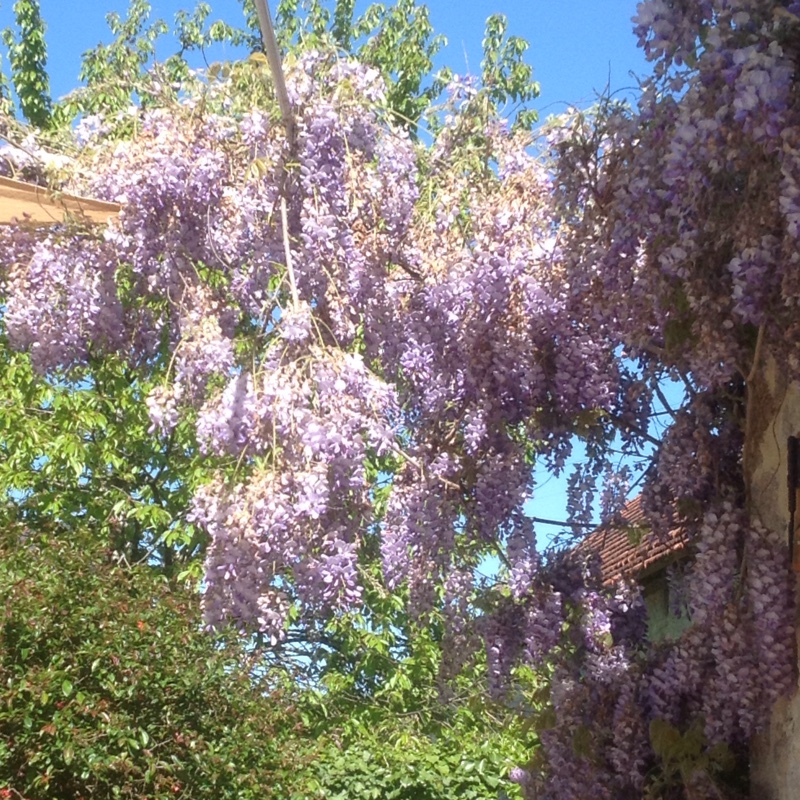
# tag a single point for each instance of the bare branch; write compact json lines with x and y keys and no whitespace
{"x":288,"y":252}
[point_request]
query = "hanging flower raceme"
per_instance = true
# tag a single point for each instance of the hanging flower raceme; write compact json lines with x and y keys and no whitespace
{"x":350,"y":310}
{"x":330,"y":309}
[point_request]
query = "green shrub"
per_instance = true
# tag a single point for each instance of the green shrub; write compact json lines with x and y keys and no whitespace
{"x":109,"y":688}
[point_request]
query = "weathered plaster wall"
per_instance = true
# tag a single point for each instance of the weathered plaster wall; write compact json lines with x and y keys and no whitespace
{"x":775,"y":756}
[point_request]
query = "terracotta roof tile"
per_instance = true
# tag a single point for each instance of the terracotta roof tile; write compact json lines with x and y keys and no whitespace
{"x":626,"y":552}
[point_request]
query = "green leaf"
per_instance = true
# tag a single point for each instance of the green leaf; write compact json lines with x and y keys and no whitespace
{"x":666,"y":740}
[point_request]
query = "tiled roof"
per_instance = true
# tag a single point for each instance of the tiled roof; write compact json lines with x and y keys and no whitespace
{"x":628,"y":551}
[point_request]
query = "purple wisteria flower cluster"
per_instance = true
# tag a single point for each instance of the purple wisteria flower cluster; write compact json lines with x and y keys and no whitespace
{"x":346,"y":309}
{"x":320,"y":314}
{"x":609,"y":685}
{"x":253,"y":321}
{"x":690,"y":227}
{"x":681,"y":248}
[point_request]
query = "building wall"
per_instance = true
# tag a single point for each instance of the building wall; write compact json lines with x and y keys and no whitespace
{"x":775,"y":755}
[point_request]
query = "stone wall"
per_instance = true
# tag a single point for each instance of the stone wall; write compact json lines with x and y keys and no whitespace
{"x":775,"y":409}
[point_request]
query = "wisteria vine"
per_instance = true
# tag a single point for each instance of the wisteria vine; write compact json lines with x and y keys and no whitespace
{"x":351,"y":308}
{"x":679,"y":235}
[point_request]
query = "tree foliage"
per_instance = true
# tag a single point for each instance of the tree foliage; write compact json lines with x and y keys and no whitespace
{"x":27,"y":55}
{"x":390,"y":721}
{"x":78,"y":454}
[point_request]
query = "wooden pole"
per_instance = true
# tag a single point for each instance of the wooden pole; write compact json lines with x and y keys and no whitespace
{"x":275,"y":66}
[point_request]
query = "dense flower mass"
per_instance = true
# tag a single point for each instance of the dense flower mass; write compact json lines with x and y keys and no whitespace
{"x":328,"y":322}
{"x":379,"y":338}
{"x":679,"y":237}
{"x":690,"y":225}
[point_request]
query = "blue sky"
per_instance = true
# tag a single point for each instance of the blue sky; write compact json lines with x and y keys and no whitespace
{"x":576,"y":47}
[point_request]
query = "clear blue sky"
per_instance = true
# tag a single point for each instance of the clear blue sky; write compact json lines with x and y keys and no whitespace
{"x":576,"y":47}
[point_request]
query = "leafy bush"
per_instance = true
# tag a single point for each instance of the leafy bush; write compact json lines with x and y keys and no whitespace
{"x":109,"y":688}
{"x":412,"y":767}
{"x":391,"y":720}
